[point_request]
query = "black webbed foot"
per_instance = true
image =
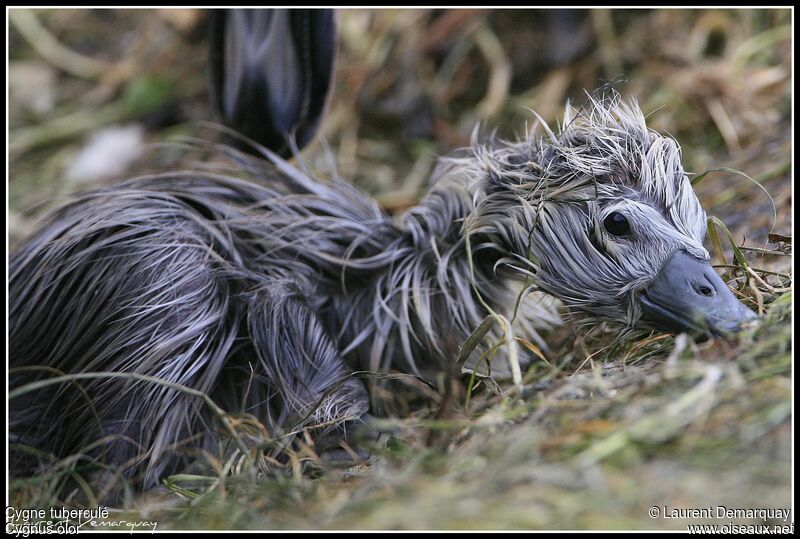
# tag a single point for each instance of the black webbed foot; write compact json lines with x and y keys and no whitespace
{"x":351,"y":443}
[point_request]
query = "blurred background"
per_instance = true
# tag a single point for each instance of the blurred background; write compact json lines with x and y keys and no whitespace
{"x":91,"y":90}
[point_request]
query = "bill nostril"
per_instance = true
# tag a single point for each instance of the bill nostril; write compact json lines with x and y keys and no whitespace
{"x":703,"y":289}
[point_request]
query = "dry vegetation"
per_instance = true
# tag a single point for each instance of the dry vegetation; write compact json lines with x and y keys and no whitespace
{"x":600,"y":432}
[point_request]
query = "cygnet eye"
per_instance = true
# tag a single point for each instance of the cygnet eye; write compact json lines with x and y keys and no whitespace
{"x":617,"y":224}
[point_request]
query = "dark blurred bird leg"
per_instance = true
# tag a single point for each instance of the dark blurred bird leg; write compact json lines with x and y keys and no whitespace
{"x":271,"y":71}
